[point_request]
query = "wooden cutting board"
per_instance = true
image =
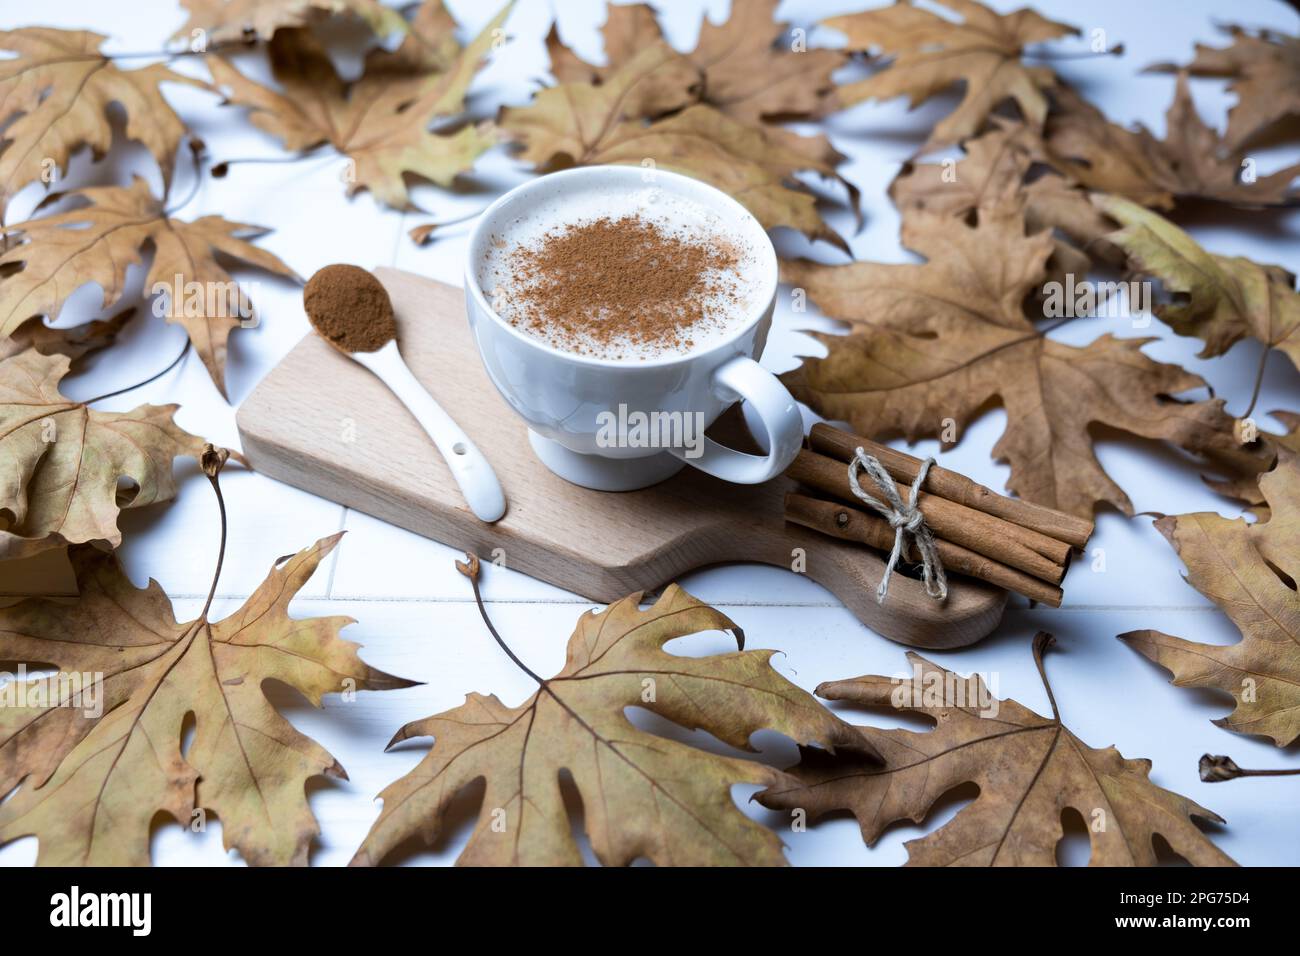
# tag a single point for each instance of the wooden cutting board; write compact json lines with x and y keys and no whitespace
{"x":323,"y":423}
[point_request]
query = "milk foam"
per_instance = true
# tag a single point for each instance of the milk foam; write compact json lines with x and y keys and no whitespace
{"x":679,"y":215}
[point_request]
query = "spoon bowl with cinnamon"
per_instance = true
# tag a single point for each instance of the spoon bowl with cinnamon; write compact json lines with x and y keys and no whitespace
{"x":350,"y":309}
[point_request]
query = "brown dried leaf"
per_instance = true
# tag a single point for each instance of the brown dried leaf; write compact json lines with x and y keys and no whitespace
{"x":230,"y":21}
{"x":629,"y":32}
{"x":422,"y":234}
{"x":429,"y":46}
{"x":1220,"y":299}
{"x":628,"y":29}
{"x":1029,"y":769}
{"x":743,"y":67}
{"x":1245,"y":487}
{"x":643,"y":795}
{"x":1190,"y":162}
{"x":749,"y":72}
{"x":1264,"y":67}
{"x":1250,"y":571}
{"x":996,"y":171}
{"x":97,"y":243}
{"x":60,"y":461}
{"x":74,"y":342}
{"x":381,"y":122}
{"x":586,"y":125}
{"x":931,"y":53}
{"x":91,"y":785}
{"x":944,"y":339}
{"x":54,"y":97}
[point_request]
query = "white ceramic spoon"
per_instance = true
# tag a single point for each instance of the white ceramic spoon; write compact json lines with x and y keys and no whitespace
{"x":478,"y":482}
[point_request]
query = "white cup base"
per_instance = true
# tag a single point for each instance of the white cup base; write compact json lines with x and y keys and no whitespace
{"x":604,"y":474}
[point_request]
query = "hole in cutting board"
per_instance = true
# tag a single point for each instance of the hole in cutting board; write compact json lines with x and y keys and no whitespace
{"x":459,"y":448}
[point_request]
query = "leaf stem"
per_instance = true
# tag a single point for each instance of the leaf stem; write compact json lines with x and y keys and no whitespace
{"x":196,"y":156}
{"x":1071,"y":54}
{"x":1056,"y":325}
{"x":212,"y":461}
{"x":470,"y":568}
{"x":439,"y":223}
{"x":1218,"y":769}
{"x":173,"y":54}
{"x":130,"y":388}
{"x":1259,"y":382}
{"x":1043,"y":641}
{"x":219,"y":170}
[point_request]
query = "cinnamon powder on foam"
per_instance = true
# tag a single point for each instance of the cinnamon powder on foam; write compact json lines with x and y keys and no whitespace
{"x":620,"y":287}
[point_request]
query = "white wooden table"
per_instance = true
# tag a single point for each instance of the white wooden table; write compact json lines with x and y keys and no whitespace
{"x":414,"y":611}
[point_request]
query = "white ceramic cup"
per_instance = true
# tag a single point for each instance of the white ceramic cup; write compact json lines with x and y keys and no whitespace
{"x":571,"y":402}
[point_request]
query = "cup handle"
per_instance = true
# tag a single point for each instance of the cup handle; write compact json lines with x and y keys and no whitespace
{"x":743,"y":378}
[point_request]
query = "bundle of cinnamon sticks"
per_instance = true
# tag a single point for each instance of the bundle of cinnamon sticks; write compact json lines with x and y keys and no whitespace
{"x":1011,"y":543}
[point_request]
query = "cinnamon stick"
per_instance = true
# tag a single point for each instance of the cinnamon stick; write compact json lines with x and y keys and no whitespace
{"x":956,"y":487}
{"x":849,"y":524}
{"x":979,"y":532}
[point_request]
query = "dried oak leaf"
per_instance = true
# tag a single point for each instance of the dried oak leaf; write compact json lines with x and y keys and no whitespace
{"x":1250,"y":571}
{"x":1190,"y":162}
{"x":381,"y":122}
{"x":1264,"y":67}
{"x":230,"y":21}
{"x":1003,"y":166}
{"x":93,"y":784}
{"x":581,"y":124}
{"x":97,"y":243}
{"x":743,"y":66}
{"x":643,"y":795}
{"x":944,"y":339}
{"x":931,"y":53}
{"x":1029,"y":770}
{"x":1218,"y":299}
{"x":54,"y":99}
{"x":60,"y":461}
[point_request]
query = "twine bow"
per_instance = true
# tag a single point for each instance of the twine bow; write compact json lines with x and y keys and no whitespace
{"x":905,"y":518}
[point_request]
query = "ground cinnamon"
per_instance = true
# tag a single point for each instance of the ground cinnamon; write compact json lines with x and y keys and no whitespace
{"x":350,"y":308}
{"x":620,"y":286}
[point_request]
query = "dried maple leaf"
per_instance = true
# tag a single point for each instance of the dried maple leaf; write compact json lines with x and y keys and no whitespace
{"x":587,"y":125}
{"x":60,"y":461}
{"x":1029,"y":770}
{"x":1219,"y":299}
{"x":381,"y":122}
{"x":749,"y":72}
{"x":942,"y":340}
{"x":97,"y":243}
{"x":630,"y":31}
{"x":643,"y":795}
{"x":54,"y":98}
{"x":930,"y":53}
{"x":1190,"y":162}
{"x":996,"y":171}
{"x":1264,"y":67}
{"x":742,"y":66}
{"x":1250,"y":571}
{"x":94,"y":783}
{"x":429,"y":46}
{"x":230,"y":21}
